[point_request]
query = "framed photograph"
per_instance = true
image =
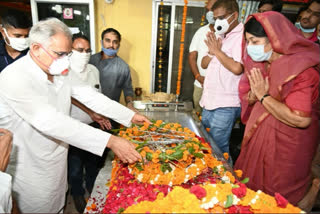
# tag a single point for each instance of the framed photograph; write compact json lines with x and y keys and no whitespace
{"x":68,"y":13}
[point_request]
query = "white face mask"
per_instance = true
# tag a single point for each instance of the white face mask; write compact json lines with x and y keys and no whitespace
{"x":221,"y":26}
{"x":79,"y":61}
{"x":19,"y":44}
{"x":210,"y":18}
{"x":59,"y":66}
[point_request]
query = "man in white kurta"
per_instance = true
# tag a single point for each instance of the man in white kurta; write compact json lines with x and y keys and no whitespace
{"x":5,"y":179}
{"x":35,"y":106}
{"x":197,"y":50}
{"x":5,"y":193}
{"x":78,"y":159}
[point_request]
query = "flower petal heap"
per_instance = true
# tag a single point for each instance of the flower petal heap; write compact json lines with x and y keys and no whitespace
{"x":219,"y":199}
{"x":125,"y":190}
{"x":180,"y":177}
{"x":169,"y":163}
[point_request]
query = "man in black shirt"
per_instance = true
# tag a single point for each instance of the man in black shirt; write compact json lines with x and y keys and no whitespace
{"x":15,"y":27}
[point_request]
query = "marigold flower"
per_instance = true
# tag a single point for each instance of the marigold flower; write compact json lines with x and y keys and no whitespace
{"x":238,"y":173}
{"x":145,"y":124}
{"x":143,"y":153}
{"x":226,"y":155}
{"x":169,"y":151}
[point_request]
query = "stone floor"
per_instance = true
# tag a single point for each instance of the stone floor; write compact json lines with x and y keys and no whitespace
{"x":70,"y":207}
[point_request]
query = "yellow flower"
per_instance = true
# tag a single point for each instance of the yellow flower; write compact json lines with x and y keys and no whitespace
{"x":238,"y":173}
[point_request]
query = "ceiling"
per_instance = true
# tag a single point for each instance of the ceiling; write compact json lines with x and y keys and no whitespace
{"x":23,"y":5}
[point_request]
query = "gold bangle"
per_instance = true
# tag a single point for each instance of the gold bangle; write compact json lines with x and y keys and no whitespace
{"x":196,"y":77}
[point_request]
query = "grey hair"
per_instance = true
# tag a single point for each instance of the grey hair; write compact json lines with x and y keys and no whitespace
{"x":42,"y":31}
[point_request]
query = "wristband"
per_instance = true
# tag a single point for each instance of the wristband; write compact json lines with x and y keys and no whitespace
{"x":209,"y":55}
{"x":264,"y":96}
{"x":196,"y":77}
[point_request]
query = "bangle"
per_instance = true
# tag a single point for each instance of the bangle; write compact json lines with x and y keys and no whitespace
{"x":264,"y":96}
{"x":196,"y":77}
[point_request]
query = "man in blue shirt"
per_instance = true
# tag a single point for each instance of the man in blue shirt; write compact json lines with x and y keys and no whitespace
{"x":15,"y":30}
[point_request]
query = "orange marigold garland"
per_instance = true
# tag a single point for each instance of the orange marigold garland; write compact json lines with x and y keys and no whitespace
{"x":184,"y":19}
{"x":160,"y":43}
{"x":203,"y":17}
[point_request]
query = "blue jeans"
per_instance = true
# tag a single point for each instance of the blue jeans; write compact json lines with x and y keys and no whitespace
{"x":221,"y":121}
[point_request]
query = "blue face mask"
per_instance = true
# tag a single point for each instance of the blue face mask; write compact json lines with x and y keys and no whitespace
{"x":109,"y":51}
{"x":298,"y":25}
{"x":210,"y":18}
{"x":256,"y":52}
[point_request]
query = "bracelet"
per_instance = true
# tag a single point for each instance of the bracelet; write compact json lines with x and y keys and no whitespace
{"x":264,"y":96}
{"x":209,"y":55}
{"x":196,"y":77}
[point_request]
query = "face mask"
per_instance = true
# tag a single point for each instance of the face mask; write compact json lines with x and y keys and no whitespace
{"x":298,"y":25}
{"x":79,"y":61}
{"x":210,"y":18}
{"x":109,"y":51}
{"x":59,"y":66}
{"x":19,"y":44}
{"x":256,"y":52}
{"x":221,"y":26}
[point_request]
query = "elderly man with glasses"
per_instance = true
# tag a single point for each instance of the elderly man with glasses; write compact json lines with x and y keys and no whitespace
{"x":35,"y":101}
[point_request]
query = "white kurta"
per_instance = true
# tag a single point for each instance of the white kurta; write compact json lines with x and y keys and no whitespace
{"x":5,"y":193}
{"x":198,"y":44}
{"x":90,"y":76}
{"x":37,"y":112}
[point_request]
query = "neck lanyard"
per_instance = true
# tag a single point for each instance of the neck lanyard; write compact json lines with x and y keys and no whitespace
{"x":5,"y":58}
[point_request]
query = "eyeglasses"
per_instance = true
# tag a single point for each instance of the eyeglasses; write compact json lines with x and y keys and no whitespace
{"x":221,"y":17}
{"x":82,"y":50}
{"x":62,"y":54}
